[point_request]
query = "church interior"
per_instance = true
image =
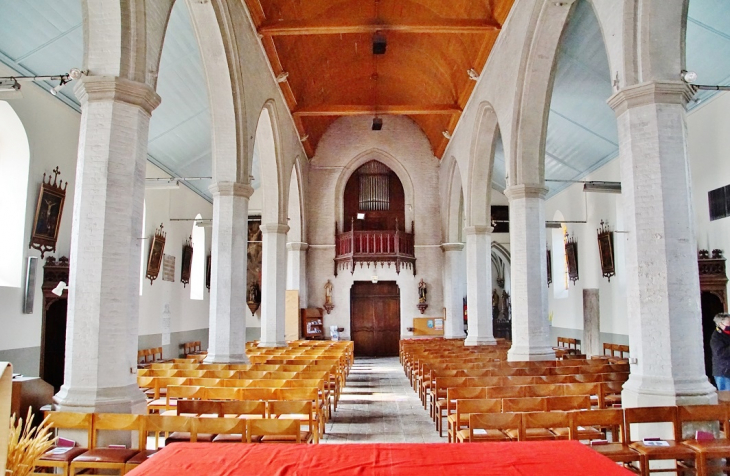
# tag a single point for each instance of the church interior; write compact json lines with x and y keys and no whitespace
{"x":530,"y":192}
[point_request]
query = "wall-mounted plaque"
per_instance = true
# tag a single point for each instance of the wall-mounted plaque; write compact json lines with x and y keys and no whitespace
{"x":157,"y":249}
{"x":48,"y":214}
{"x":187,"y":261}
{"x":571,"y":253}
{"x":605,"y":248}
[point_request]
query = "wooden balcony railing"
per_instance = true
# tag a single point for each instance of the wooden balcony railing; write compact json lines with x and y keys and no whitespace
{"x":391,"y":246}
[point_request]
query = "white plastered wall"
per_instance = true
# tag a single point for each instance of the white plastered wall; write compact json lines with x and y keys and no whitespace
{"x":403,"y":141}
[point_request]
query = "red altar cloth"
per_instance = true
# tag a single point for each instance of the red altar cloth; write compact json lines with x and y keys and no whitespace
{"x":392,"y":459}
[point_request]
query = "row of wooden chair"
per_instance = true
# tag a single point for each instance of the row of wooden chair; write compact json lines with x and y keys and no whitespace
{"x":192,"y":348}
{"x":148,"y":356}
{"x":690,"y":454}
{"x":121,"y":459}
{"x":616,"y":350}
{"x":567,"y":345}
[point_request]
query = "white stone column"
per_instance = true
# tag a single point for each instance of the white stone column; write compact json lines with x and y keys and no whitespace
{"x":530,"y":326}
{"x":228,"y":261}
{"x":296,"y":272}
{"x":662,"y":282}
{"x":454,"y":290}
{"x":479,"y":285}
{"x":273,"y":285}
{"x":103,"y":304}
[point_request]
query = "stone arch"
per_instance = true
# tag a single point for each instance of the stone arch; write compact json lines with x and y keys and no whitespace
{"x":484,"y":141}
{"x":269,"y":147}
{"x":296,"y":205}
{"x":660,"y":30}
{"x":393,"y":164}
{"x":219,"y":51}
{"x":453,"y":197}
{"x":526,"y":164}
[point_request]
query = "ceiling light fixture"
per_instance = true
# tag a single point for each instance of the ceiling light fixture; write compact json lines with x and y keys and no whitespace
{"x":446,"y":134}
{"x":602,"y":187}
{"x":282,"y":77}
{"x":690,"y":77}
{"x":473,"y":75}
{"x":11,"y":82}
{"x":379,"y":43}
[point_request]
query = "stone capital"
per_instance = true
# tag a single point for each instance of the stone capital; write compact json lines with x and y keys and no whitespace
{"x":452,"y":246}
{"x":515,"y":192}
{"x":267,"y":228}
{"x":297,"y":246}
{"x":477,"y":230}
{"x":112,"y":88}
{"x":231,"y":189}
{"x":655,"y":92}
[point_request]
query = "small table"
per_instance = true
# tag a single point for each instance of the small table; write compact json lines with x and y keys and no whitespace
{"x":538,"y":458}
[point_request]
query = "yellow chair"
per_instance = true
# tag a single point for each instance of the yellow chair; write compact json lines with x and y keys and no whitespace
{"x":68,"y":421}
{"x":277,"y":430}
{"x":111,"y":458}
{"x":297,"y":410}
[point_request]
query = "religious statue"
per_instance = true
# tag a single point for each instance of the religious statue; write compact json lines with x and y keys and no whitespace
{"x":506,"y":312}
{"x":495,"y":304}
{"x":422,"y":292}
{"x":253,"y":293}
{"x":328,"y":297}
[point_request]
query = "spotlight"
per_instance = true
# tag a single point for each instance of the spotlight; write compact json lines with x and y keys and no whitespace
{"x":10,"y":84}
{"x":379,"y":44}
{"x":282,"y":77}
{"x":446,"y":134}
{"x":688,"y":76}
{"x":55,"y":90}
{"x":377,"y":123}
{"x":473,"y":75}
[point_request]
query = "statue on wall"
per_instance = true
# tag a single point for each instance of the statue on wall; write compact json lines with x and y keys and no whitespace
{"x":422,"y":296}
{"x":328,"y":296}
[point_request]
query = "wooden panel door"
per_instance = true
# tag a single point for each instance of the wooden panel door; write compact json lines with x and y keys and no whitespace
{"x":375,"y":318}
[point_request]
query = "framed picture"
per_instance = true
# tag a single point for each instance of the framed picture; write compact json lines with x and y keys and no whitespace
{"x":549,"y":268}
{"x":48,"y":213}
{"x":605,"y":249}
{"x":571,"y":254}
{"x":254,"y":254}
{"x":157,"y":249}
{"x":187,"y":261}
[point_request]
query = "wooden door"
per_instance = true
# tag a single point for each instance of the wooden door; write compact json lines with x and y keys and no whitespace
{"x":53,"y":346}
{"x":375,"y":318}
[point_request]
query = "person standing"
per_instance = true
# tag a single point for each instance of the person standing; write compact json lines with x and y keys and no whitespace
{"x":720,"y":344}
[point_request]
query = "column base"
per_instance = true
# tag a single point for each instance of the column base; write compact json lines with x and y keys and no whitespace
{"x":471,"y":341}
{"x":226,"y":359}
{"x":643,"y":391}
{"x":129,"y":399}
{"x":455,"y":336}
{"x":273,"y":344}
{"x":519,"y":354}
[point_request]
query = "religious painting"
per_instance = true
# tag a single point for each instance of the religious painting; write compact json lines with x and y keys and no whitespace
{"x":187,"y":261}
{"x":253,"y":278}
{"x":157,"y":248}
{"x":48,"y":214}
{"x":571,"y":256}
{"x":605,"y":248}
{"x":500,"y":219}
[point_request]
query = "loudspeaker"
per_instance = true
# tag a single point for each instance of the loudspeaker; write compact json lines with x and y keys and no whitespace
{"x":379,"y":44}
{"x":377,"y":124}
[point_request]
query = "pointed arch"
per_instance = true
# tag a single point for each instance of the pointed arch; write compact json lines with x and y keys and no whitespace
{"x":484,"y":142}
{"x":454,"y":199}
{"x":269,"y":147}
{"x":393,"y":164}
{"x":296,"y":208}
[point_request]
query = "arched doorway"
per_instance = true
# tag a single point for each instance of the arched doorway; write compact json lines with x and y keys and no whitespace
{"x":711,"y":305}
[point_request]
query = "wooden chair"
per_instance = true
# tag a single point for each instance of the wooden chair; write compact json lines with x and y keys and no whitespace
{"x":303,"y":411}
{"x":506,"y":392}
{"x":454,"y":394}
{"x":278,"y":430}
{"x":539,"y":425}
{"x":529,"y":404}
{"x":674,"y":451}
{"x":180,"y":428}
{"x":114,"y":459}
{"x":460,"y":418}
{"x":177,"y":392}
{"x":223,"y":393}
{"x":198,"y":408}
{"x":708,"y":450}
{"x":58,"y":458}
{"x":489,"y":427}
{"x":617,"y":449}
{"x":226,"y":430}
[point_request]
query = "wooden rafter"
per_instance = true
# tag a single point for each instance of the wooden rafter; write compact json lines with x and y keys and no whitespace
{"x":307,"y":27}
{"x":367,"y":110}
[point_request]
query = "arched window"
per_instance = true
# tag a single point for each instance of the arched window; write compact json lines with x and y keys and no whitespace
{"x":143,"y":247}
{"x":197,"y":271}
{"x":14,"y":167}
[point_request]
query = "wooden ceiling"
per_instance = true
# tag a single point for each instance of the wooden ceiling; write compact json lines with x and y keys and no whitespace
{"x":325,"y":46}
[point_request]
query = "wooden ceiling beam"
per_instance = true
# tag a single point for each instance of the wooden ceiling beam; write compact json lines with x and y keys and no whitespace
{"x":315,"y":27}
{"x":368,"y":110}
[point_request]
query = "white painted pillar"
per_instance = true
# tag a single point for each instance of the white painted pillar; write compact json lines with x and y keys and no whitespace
{"x":273,"y":285}
{"x":227,"y":321}
{"x":296,"y":272}
{"x":530,"y":326}
{"x":453,"y":290}
{"x":479,"y":285}
{"x":663,"y":296}
{"x":103,"y":304}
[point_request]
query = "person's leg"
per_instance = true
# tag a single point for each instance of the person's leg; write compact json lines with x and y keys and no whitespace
{"x":723,"y":383}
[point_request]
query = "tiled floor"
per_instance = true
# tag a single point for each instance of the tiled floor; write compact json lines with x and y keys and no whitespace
{"x":379,"y":406}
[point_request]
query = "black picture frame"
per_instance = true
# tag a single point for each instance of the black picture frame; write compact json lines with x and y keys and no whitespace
{"x":549,"y":268}
{"x":187,"y":262}
{"x":157,"y":250}
{"x":48,"y":214}
{"x":571,"y":254}
{"x":605,"y":249}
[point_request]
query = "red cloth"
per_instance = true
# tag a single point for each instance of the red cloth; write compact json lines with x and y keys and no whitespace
{"x":527,"y":458}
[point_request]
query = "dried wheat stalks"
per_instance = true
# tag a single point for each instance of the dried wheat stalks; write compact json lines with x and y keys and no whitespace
{"x":26,"y":444}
